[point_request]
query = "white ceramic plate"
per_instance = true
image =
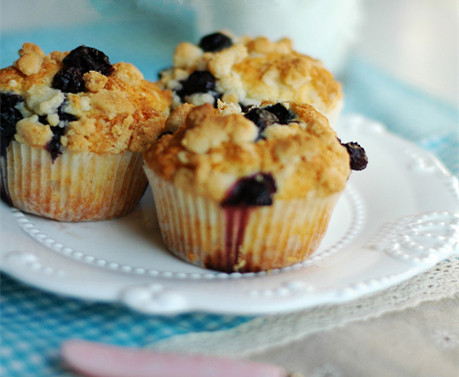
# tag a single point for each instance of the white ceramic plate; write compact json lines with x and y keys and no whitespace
{"x":396,"y":219}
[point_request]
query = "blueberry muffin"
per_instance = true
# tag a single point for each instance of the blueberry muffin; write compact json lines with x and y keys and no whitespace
{"x":246,"y":71}
{"x":247,"y":192}
{"x":73,"y":129}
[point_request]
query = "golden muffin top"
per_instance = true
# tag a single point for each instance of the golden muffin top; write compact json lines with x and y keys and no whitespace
{"x":288,"y":147}
{"x":79,"y":101}
{"x":247,"y":71}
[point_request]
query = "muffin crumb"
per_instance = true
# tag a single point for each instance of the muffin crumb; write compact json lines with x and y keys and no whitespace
{"x":94,"y":81}
{"x":31,"y":59}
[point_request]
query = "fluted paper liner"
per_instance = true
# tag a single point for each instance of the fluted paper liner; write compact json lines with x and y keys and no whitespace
{"x":76,"y":186}
{"x":245,"y":239}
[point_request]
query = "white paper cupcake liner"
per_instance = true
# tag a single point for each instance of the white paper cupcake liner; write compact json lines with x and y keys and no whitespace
{"x":199,"y":230}
{"x":76,"y":186}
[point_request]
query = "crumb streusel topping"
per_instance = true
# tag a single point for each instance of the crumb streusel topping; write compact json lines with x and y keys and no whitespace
{"x":207,"y":150}
{"x":84,"y":104}
{"x":247,"y":71}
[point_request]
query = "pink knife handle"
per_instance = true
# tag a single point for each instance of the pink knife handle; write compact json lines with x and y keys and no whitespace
{"x":101,"y":360}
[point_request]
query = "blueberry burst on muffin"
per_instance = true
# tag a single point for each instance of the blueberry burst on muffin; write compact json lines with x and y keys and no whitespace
{"x":247,"y":191}
{"x":73,"y":127}
{"x":68,"y":79}
{"x":247,"y":71}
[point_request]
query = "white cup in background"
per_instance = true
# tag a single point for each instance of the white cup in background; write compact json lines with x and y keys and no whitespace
{"x":323,"y":29}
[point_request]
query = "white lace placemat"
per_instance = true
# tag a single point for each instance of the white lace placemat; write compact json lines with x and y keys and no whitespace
{"x":266,"y":332}
{"x":422,"y":341}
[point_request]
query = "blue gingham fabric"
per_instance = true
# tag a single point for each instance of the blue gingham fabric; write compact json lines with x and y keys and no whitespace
{"x":34,"y":323}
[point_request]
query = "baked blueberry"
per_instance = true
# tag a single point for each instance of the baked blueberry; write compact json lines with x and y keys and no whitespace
{"x":256,"y":190}
{"x":359,"y":159}
{"x":69,"y":80}
{"x":43,"y":119}
{"x":197,"y":82}
{"x":54,"y":146}
{"x":88,"y":59}
{"x":9,"y":116}
{"x":63,"y":116}
{"x":83,"y":59}
{"x":245,"y":108}
{"x":283,"y":115}
{"x":215,"y":42}
{"x":262,"y":119}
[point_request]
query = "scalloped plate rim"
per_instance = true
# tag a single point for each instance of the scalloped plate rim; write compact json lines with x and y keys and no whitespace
{"x":122,"y":284}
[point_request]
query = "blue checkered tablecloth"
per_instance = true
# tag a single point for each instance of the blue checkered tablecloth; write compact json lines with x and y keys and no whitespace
{"x":35,"y":323}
